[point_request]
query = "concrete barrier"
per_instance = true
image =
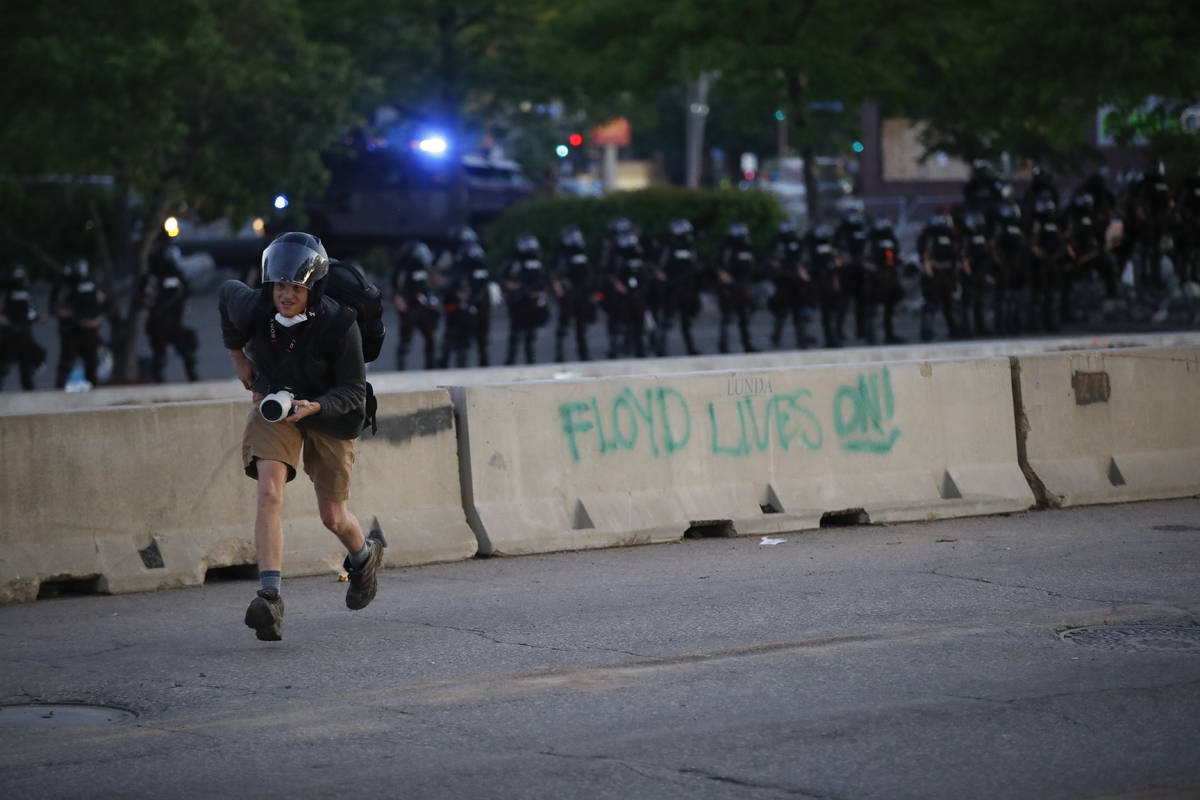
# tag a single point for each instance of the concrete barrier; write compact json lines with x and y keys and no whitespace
{"x":149,"y":497}
{"x":1110,"y":426}
{"x":595,"y":463}
{"x":39,"y":402}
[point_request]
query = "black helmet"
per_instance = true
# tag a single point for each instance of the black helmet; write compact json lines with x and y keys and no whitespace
{"x":882,"y":224}
{"x":528,"y":246}
{"x":855,"y":219}
{"x":822,"y":234}
{"x":628,"y":244}
{"x":1084,"y":201}
{"x":474,"y":256}
{"x":572,"y":238}
{"x":1044,"y":206}
{"x":618,"y":226}
{"x":680,"y":229}
{"x":1009,"y":211}
{"x":466,"y":236}
{"x":416,"y":255}
{"x":942,"y":220}
{"x":787,"y":227}
{"x":76,"y":270}
{"x":739,"y":230}
{"x":297,"y":258}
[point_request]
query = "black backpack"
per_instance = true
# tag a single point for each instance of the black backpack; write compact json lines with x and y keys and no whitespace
{"x":349,"y":285}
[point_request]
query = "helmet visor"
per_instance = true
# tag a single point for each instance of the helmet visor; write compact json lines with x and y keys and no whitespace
{"x":291,"y":262}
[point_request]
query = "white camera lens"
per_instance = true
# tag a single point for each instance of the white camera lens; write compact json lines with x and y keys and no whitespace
{"x":276,"y":406}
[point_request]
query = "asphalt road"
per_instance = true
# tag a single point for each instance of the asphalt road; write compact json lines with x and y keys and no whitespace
{"x":907,"y":661}
{"x":213,"y":361}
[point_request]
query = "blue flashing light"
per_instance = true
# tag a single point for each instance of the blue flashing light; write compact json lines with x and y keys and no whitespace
{"x":281,"y":201}
{"x":434,"y":145}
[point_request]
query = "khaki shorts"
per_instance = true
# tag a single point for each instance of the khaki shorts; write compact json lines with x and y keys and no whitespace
{"x":327,"y":459}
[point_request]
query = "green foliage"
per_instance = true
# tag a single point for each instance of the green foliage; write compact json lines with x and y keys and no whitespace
{"x":650,"y":210}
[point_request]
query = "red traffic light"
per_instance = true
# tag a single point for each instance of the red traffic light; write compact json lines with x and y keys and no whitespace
{"x":575,"y":139}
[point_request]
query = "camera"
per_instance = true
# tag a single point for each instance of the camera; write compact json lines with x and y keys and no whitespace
{"x":276,"y":405}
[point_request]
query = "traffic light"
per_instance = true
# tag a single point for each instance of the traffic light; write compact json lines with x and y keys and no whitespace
{"x":575,"y":139}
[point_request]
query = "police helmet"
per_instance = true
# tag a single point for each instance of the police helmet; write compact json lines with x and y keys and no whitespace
{"x":739,"y":230}
{"x":466,"y":236}
{"x":416,"y":255}
{"x":1084,"y":201}
{"x":618,"y":226}
{"x":528,"y":246}
{"x":1044,"y":206}
{"x":941,"y":220}
{"x":787,"y":227}
{"x":76,"y":270}
{"x":297,"y":258}
{"x":628,"y":243}
{"x":1009,"y":211}
{"x":854,"y":219}
{"x":680,"y":229}
{"x":822,"y":234}
{"x":882,"y":224}
{"x":572,"y":238}
{"x":474,"y":255}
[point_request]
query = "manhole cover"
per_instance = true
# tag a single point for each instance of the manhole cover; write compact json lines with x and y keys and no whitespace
{"x":60,"y":715}
{"x":1176,"y":638}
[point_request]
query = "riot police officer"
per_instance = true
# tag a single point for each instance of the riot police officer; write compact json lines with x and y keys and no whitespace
{"x":883,"y":263}
{"x":983,"y":191}
{"x":467,"y":301}
{"x":1042,"y":186}
{"x":978,"y":274}
{"x":1187,"y":239}
{"x":735,"y":284}
{"x":1047,"y":263}
{"x":573,"y":286}
{"x":794,"y":293}
{"x":940,"y":255}
{"x":526,"y":286}
{"x":824,"y":264}
{"x":415,"y":296}
{"x":850,"y":238}
{"x":79,"y":305}
{"x":1085,"y":251}
{"x":163,"y":291}
{"x":679,"y":269}
{"x":17,"y":315}
{"x":625,"y":298}
{"x":1010,"y":258}
{"x":1152,"y":204}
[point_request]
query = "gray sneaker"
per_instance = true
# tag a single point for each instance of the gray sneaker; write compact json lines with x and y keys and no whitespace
{"x":365,"y":580}
{"x":265,"y":615}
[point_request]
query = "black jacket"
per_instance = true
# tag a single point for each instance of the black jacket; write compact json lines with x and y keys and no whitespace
{"x":320,"y":359}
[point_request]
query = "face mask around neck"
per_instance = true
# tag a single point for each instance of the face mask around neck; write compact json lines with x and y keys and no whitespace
{"x":288,"y":322}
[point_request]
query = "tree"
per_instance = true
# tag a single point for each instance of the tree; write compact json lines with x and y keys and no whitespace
{"x":207,"y":106}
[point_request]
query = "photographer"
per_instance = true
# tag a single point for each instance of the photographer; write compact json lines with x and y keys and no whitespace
{"x":291,"y":342}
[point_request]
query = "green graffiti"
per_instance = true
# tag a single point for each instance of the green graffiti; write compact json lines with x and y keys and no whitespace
{"x":622,"y":427}
{"x":867,"y":428}
{"x":753,"y":431}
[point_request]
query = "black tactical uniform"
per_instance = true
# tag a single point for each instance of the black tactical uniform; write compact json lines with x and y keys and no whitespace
{"x":1152,"y":201}
{"x":164,"y":292}
{"x":467,"y":301}
{"x":79,"y":305}
{"x":573,"y":285}
{"x":883,"y":263}
{"x":940,"y":257}
{"x":1011,"y":256}
{"x":415,"y":295}
{"x":824,"y":265}
{"x":526,"y":286}
{"x":1047,"y":263}
{"x":794,"y":293}
{"x":625,"y":298}
{"x":1086,"y":251}
{"x":978,"y":275}
{"x":850,"y":238}
{"x":606,"y":268}
{"x":680,"y":269}
{"x":1187,"y":230}
{"x":735,"y":285}
{"x":17,"y":343}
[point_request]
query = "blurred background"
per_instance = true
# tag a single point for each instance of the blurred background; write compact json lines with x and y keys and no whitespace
{"x":214,"y":124}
